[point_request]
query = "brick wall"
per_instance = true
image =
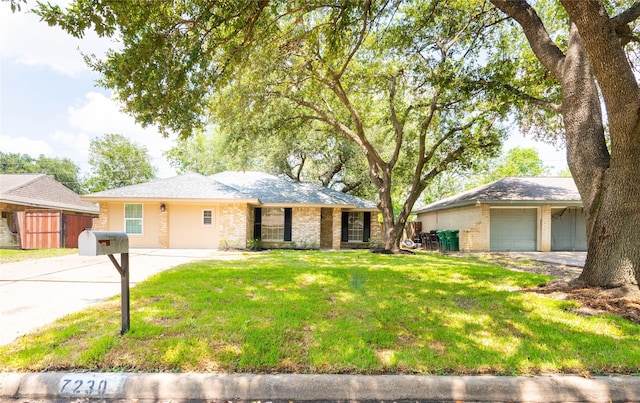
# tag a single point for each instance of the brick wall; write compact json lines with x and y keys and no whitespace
{"x":305,"y":227}
{"x":163,"y":227}
{"x":232,"y":225}
{"x":473,"y":222}
{"x":102,"y":222}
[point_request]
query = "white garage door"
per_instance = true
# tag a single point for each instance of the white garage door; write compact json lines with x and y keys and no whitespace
{"x":513,"y":229}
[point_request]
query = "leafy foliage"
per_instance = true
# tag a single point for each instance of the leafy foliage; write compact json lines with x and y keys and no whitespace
{"x":302,"y":85}
{"x":62,"y":170}
{"x":117,"y":162}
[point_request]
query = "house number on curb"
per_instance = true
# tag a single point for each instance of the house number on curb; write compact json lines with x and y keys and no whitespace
{"x":103,"y":385}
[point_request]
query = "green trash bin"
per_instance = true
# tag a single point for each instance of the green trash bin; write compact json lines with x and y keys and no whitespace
{"x":444,"y":242}
{"x":455,"y":240}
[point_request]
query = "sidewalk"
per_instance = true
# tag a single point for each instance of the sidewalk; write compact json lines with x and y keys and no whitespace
{"x":130,"y":387}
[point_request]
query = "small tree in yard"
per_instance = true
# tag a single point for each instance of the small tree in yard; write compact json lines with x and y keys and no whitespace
{"x":115,"y":162}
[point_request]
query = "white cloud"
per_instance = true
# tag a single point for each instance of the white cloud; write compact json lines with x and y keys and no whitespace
{"x":101,"y":115}
{"x":23,"y":145}
{"x":26,"y":40}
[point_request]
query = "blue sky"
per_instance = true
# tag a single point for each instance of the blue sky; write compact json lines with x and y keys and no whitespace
{"x":50,"y":104}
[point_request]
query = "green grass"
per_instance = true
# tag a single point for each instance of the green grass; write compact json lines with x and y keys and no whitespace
{"x":330,"y":312}
{"x":18,"y":255}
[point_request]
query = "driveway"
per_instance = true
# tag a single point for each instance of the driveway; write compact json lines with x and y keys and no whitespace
{"x":36,"y":292}
{"x":568,"y":258}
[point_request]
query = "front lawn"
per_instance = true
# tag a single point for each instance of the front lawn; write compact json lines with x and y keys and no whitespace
{"x":335,"y":312}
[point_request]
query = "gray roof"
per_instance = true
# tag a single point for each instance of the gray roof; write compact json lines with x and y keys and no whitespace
{"x":41,"y":191}
{"x":254,"y":187}
{"x":189,"y":186}
{"x":514,"y":191}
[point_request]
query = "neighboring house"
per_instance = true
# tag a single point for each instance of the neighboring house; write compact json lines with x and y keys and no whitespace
{"x":38,"y":212}
{"x":513,"y":214}
{"x":232,"y":209}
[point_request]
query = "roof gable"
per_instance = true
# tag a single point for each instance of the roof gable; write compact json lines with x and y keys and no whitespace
{"x":514,"y":190}
{"x":41,"y":191}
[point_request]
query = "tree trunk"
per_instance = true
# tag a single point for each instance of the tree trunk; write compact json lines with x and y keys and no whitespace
{"x":613,"y":257}
{"x":589,"y":161}
{"x":614,"y":248}
{"x":609,"y":184}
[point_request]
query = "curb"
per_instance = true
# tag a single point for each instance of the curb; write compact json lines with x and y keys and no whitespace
{"x":129,"y":387}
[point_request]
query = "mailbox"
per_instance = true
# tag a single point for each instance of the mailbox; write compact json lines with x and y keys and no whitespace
{"x":95,"y":243}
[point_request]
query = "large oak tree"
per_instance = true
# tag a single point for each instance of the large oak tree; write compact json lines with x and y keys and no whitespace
{"x":400,"y":80}
{"x":592,"y":70}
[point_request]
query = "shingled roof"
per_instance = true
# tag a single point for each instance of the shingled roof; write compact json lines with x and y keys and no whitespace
{"x":41,"y":191}
{"x":247,"y":186}
{"x":514,"y":191}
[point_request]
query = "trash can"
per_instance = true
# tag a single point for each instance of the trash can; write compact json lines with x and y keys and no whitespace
{"x":444,"y":240}
{"x":455,"y":240}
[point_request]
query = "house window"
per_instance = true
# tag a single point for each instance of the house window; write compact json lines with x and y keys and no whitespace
{"x":207,"y":217}
{"x":272,"y":224}
{"x":133,"y":219}
{"x":355,"y":226}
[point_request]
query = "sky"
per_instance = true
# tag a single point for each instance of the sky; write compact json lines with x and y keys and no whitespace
{"x":51,"y":105}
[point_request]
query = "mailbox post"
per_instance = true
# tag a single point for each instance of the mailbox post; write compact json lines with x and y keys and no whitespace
{"x":95,"y":243}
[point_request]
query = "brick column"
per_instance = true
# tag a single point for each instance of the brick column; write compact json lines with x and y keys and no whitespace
{"x":544,"y":231}
{"x":484,"y":243}
{"x":163,"y":227}
{"x":337,"y":228}
{"x":102,"y":222}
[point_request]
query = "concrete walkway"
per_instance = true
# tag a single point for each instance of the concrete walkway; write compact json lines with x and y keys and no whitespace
{"x":126,"y":387}
{"x":36,"y":292}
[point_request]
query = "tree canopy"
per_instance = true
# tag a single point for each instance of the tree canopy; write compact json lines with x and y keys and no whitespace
{"x":116,"y":161}
{"x":62,"y":170}
{"x":405,"y":83}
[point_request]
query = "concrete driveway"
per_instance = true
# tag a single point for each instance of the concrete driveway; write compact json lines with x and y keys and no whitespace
{"x":568,"y":258}
{"x":36,"y":292}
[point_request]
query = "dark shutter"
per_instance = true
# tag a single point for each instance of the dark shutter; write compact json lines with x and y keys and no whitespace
{"x":287,"y":224}
{"x":367,"y":226}
{"x":257,"y":223}
{"x":345,"y":226}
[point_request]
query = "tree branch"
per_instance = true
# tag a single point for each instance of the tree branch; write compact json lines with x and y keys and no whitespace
{"x":541,"y":43}
{"x":630,"y":14}
{"x":398,"y":126}
{"x":361,"y":36}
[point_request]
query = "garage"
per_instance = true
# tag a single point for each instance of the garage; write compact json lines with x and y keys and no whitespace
{"x":513,"y":229}
{"x":568,"y":229}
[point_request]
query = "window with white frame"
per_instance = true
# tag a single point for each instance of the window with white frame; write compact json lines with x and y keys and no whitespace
{"x":272,"y":224}
{"x":133,"y":219}
{"x":207,"y":217}
{"x":355,"y":226}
